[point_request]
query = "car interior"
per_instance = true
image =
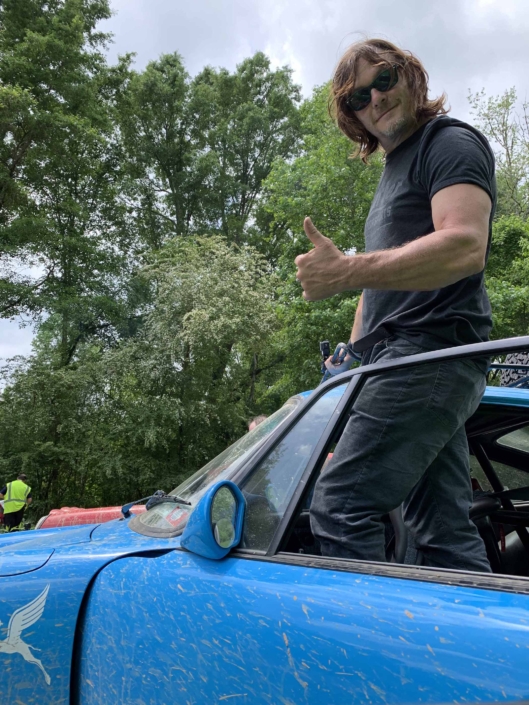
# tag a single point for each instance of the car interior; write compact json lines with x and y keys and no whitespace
{"x":498,"y":438}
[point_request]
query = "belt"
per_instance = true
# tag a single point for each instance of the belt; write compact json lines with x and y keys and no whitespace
{"x":376,"y":336}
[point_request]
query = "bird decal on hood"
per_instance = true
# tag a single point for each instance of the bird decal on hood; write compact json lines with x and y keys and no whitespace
{"x":22,"y":619}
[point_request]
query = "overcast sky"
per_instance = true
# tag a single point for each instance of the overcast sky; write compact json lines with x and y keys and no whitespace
{"x":464,"y":44}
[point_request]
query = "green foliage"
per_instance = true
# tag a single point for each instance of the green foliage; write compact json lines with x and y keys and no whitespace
{"x":253,"y":123}
{"x":507,"y":127}
{"x":199,"y":149}
{"x":149,"y":223}
{"x":508,"y":277}
{"x":116,"y":425}
{"x":50,"y":424}
{"x":63,"y":231}
{"x":212,"y":313}
{"x":163,"y":143}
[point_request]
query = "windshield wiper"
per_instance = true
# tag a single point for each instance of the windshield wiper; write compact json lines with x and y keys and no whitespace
{"x":161,"y":498}
{"x":157,"y":498}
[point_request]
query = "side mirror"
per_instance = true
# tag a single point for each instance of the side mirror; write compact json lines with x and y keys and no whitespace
{"x":215,"y":525}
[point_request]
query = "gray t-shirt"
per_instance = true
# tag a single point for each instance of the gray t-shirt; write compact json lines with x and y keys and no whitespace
{"x":441,"y":153}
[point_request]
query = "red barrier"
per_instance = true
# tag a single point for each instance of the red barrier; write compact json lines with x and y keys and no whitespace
{"x":73,"y":516}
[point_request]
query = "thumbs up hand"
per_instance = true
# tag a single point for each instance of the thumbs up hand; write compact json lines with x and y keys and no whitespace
{"x":323,"y":271}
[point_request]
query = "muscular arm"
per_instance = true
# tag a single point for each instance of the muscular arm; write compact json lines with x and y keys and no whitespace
{"x":356,"y":332}
{"x":455,"y":250}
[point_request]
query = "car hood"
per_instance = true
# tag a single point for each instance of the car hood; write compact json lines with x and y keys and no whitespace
{"x":55,"y":569}
{"x":25,"y":551}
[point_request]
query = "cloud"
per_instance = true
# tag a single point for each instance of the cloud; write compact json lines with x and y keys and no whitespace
{"x":14,"y":340}
{"x":464,"y":44}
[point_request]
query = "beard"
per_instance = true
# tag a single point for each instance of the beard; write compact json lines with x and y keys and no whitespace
{"x":398,"y":128}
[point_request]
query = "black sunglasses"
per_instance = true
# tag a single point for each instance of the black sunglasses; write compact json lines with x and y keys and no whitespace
{"x":383,"y":82}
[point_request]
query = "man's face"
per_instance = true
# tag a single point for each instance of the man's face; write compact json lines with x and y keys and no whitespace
{"x":389,"y":116}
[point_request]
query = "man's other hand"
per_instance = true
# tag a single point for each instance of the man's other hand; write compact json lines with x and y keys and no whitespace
{"x":322,"y":272}
{"x":340,"y":361}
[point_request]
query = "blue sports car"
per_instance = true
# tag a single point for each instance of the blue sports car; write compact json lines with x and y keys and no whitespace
{"x":217,"y":593}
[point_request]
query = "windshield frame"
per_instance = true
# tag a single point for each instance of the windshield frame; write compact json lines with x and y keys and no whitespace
{"x":259,"y":432}
{"x":235,"y":469}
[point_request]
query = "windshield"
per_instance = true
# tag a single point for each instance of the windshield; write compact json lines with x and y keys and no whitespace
{"x":172,"y":517}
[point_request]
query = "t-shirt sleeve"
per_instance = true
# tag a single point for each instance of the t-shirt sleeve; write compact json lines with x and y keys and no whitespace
{"x":456,"y":155}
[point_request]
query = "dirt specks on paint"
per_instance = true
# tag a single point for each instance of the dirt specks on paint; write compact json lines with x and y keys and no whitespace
{"x":291,"y":663}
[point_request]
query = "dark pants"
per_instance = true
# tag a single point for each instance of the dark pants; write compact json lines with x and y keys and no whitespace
{"x":13,"y":519}
{"x":405,"y":443}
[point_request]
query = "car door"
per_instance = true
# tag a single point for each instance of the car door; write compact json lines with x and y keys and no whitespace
{"x":179,"y":628}
{"x":267,"y":625}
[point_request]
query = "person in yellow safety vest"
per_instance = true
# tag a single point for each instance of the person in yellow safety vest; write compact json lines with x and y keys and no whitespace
{"x":16,"y":496}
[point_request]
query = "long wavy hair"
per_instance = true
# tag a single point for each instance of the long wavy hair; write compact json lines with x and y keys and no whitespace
{"x":378,"y":52}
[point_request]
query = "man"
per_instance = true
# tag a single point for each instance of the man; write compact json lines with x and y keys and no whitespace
{"x":427,"y":240}
{"x":253,"y":423}
{"x":16,"y":495}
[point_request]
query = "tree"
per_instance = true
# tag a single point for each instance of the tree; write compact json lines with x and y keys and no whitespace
{"x":51,"y":424}
{"x":507,"y":277}
{"x":508,"y":129}
{"x":212,"y":314}
{"x":162,"y":135}
{"x":254,"y":122}
{"x":507,"y":273}
{"x":65,"y":231}
{"x":84,"y":239}
{"x":199,"y":149}
{"x":115,"y":425}
{"x":47,"y":50}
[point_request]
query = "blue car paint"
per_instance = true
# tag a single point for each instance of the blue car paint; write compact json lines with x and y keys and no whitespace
{"x":19,"y":536}
{"x":248,"y":630}
{"x":198,"y":534}
{"x":68,"y":573}
{"x":32,"y":551}
{"x":493,"y":395}
{"x":506,"y":395}
{"x":14,"y":561}
{"x":185,"y":629}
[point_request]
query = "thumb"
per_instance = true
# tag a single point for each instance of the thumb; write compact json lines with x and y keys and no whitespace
{"x":313,"y":233}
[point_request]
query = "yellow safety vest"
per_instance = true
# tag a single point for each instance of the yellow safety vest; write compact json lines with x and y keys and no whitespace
{"x":16,"y":497}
